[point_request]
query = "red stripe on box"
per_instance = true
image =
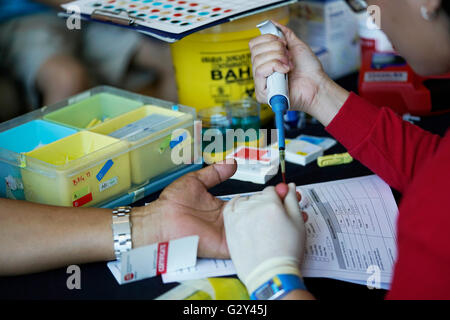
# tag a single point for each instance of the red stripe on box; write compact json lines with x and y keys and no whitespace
{"x":252,"y":154}
{"x":161,"y":262}
{"x":83,"y":200}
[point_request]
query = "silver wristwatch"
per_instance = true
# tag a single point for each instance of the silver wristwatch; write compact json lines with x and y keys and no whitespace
{"x":121,"y":227}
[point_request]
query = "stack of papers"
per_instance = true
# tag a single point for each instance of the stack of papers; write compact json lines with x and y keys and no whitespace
{"x":351,"y":234}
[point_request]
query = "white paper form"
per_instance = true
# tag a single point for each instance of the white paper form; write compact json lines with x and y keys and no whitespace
{"x":351,"y":226}
{"x":205,"y":268}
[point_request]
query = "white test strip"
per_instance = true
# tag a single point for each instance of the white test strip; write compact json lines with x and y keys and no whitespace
{"x":155,"y":259}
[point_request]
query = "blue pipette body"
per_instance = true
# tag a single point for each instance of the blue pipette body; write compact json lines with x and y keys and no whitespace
{"x":278,"y":96}
{"x":279,"y":105}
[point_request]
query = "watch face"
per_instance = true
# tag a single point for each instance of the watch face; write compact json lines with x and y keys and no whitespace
{"x":264,"y":293}
{"x":124,"y":209}
{"x":271,"y":290}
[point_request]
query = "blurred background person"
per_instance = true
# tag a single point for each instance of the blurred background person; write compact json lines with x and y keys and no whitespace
{"x":49,"y":62}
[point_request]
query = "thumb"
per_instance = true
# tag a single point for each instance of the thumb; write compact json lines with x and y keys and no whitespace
{"x":292,"y":205}
{"x":293,"y":42}
{"x":214,"y":174}
{"x":290,"y":36}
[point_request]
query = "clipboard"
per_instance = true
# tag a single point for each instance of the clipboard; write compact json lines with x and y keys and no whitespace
{"x":133,"y":21}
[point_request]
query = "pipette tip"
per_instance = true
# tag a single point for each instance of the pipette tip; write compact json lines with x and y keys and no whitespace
{"x":283,"y":164}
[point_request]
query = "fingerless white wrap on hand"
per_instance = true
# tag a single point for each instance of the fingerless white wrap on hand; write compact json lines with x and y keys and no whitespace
{"x":265,"y":236}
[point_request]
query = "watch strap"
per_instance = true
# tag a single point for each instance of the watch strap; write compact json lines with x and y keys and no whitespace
{"x":121,"y":227}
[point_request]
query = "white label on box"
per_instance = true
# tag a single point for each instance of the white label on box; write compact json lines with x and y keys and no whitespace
{"x":108,"y":184}
{"x":155,"y":259}
{"x":385,"y":76}
{"x":144,"y":127}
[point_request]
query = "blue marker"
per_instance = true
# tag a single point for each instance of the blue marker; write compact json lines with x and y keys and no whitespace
{"x":277,"y":95}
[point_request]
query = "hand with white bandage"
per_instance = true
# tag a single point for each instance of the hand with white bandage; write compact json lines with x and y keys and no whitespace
{"x":266,"y":239}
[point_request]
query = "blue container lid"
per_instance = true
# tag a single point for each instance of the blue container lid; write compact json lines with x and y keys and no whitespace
{"x":33,"y":134}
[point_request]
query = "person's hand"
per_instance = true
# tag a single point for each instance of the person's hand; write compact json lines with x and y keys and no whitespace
{"x":290,"y":55}
{"x":265,"y":235}
{"x":310,"y":89}
{"x":187,"y":208}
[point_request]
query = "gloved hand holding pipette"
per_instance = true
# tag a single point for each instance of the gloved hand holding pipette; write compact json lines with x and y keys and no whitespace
{"x":277,"y":95}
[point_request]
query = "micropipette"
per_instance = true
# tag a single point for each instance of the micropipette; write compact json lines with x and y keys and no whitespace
{"x":277,"y":95}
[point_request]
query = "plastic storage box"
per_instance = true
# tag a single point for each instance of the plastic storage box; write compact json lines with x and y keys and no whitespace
{"x":104,"y":147}
{"x":150,"y":130}
{"x":92,"y":111}
{"x":18,"y":140}
{"x":84,"y":168}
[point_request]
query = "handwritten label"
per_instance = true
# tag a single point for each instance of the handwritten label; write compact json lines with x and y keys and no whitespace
{"x":108,"y":184}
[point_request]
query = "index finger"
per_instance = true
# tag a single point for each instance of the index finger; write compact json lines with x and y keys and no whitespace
{"x":282,"y":189}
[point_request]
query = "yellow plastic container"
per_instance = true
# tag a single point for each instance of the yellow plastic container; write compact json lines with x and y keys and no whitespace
{"x":151,"y":132}
{"x":214,"y":66}
{"x":83,"y":169}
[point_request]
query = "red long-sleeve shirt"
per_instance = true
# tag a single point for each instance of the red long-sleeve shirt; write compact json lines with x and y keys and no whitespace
{"x":416,"y":163}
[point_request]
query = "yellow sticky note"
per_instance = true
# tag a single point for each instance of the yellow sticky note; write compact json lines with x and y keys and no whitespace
{"x":334,"y":160}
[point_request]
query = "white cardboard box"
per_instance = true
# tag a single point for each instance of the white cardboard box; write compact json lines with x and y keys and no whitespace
{"x":300,"y":152}
{"x":257,"y":165}
{"x":332,"y":25}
